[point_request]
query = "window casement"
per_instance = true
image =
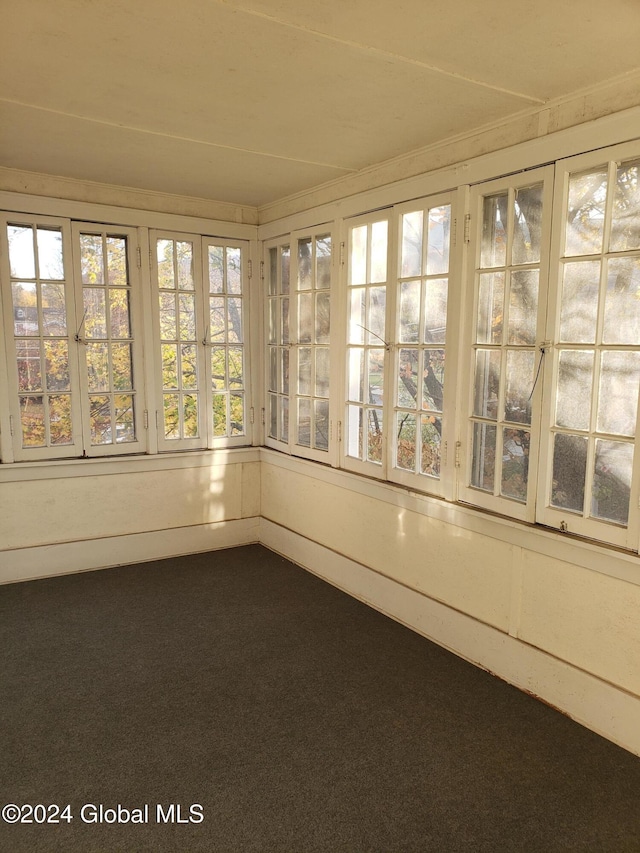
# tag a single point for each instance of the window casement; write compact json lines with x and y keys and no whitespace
{"x":72,"y":315}
{"x":199,"y":299}
{"x":590,"y":469}
{"x":508,"y":265}
{"x":299,"y":272}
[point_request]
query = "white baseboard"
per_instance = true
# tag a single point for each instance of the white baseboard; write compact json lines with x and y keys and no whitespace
{"x":43,"y":561}
{"x":602,"y":707}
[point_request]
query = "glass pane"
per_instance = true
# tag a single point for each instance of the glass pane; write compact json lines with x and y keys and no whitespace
{"x":569,"y":467}
{"x":519,"y":386}
{"x":573,"y":402}
{"x":376,"y":376}
{"x":358,"y":265}
{"x":234,"y":307}
{"x":216,"y":269}
{"x":490,"y":308}
{"x":493,"y":252}
{"x":515,"y":463}
{"x":523,"y":307}
{"x":285,"y":268}
{"x":284,"y":370}
{"x":585,"y":213}
{"x":219,"y":415}
{"x":379,"y":251}
{"x":487,"y":384}
{"x":377,"y":309}
{"x":21,"y":254}
{"x":483,"y":464}
{"x":273,"y":321}
{"x":408,"y":378}
{"x":354,"y":437}
{"x":430,"y":447}
{"x":218,"y":368}
{"x":322,"y":372}
{"x":527,"y":226}
{"x":119,"y":313}
{"x":321,"y":424}
{"x":433,"y":379}
{"x":435,"y":310}
{"x":190,"y":415}
{"x":356,"y":375}
{"x":579,"y":310}
{"x":100,"y":420}
{"x":54,"y":311}
{"x":91,"y":259}
{"x":412,"y":244}
{"x":117,"y":263}
{"x":50,"y":254}
{"x":95,"y":313}
{"x":56,"y":359}
{"x":305,"y":318}
{"x":304,"y":422}
{"x":409,"y":312}
{"x":60,"y":431}
{"x":273,"y":416}
{"x":217,"y":320}
{"x":622,"y":302}
{"x":168,"y":330}
{"x":187,"y":314}
{"x":122,"y":370}
{"x":234,"y":270}
{"x":625,"y":225}
{"x":28,"y":363}
{"x":612,"y":481}
{"x":184,"y":263}
{"x":618,"y":398}
{"x":284,"y":418}
{"x":25,"y":308}
{"x":98,"y":367}
{"x":304,"y":370}
{"x":32,"y":421}
{"x":188,"y":366}
{"x":357,"y":315}
{"x":406,"y":441}
{"x":236,"y":407}
{"x":125,"y":426}
{"x":305,"y":263}
{"x":236,"y":371}
{"x":169,"y":366}
{"x":323,"y":262}
{"x":374,"y":435}
{"x":273,"y":368}
{"x":273,"y":271}
{"x":284,"y":303}
{"x":438,"y":240}
{"x":323,"y":318}
{"x":164,"y":254}
{"x":171,"y":416}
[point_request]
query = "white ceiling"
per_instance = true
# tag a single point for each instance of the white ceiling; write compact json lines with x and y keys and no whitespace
{"x":249,"y":101}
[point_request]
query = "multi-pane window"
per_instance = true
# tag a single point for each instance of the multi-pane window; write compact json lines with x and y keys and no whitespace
{"x":596,"y":365}
{"x":421,"y":327}
{"x":200,"y":286}
{"x":507,"y":312}
{"x":367,"y":343}
{"x":278,"y":275}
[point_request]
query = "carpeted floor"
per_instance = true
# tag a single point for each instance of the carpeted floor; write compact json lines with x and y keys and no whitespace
{"x":296,"y":717}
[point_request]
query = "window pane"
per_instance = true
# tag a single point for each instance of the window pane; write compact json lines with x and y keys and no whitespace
{"x":190,"y":415}
{"x":219,"y":415}
{"x":187,"y":317}
{"x":356,"y":375}
{"x":273,"y":416}
{"x":50,"y":254}
{"x":168,"y":328}
{"x":433,"y":379}
{"x":523,"y":307}
{"x":323,"y":318}
{"x":188,"y":362}
{"x":483,"y":457}
{"x":21,"y":254}
{"x":321,"y":424}
{"x":29,"y":367}
{"x":117,"y":261}
{"x":119,"y":313}
{"x":234,"y":307}
{"x":184,"y":263}
{"x":124,"y":417}
{"x":377,"y":309}
{"x":358,"y":260}
{"x":60,"y":419}
{"x":284,"y":370}
{"x":374,"y":436}
{"x":585,"y":214}
{"x":569,"y":467}
{"x":438,"y":240}
{"x":519,"y":386}
{"x":95,"y":312}
{"x":625,"y":226}
{"x":169,"y":366}
{"x":304,"y":370}
{"x":171,"y":416}
{"x":98,"y":366}
{"x":412,"y":244}
{"x":25,"y":308}
{"x":56,"y":354}
{"x":435,"y":310}
{"x":376,"y":376}
{"x":234,"y":269}
{"x":91,"y":259}
{"x":285,"y":268}
{"x":493,"y":251}
{"x":284,"y":418}
{"x":32,"y":421}
{"x":305,"y":261}
{"x":218,"y":368}
{"x":216,"y":269}
{"x":579,"y":311}
{"x":515,"y":463}
{"x":100,"y":419}
{"x":618,"y":398}
{"x":354,"y":436}
{"x":357,"y":297}
{"x":409,"y":312}
{"x":490,"y":308}
{"x":164,"y":254}
{"x":236,"y":406}
{"x":284,"y":325}
{"x":379,"y":251}
{"x":408,"y":378}
{"x":304,"y":422}
{"x":305,"y":318}
{"x":323,"y":262}
{"x":273,"y":271}
{"x":236,"y":370}
{"x":487,"y":384}
{"x":322,"y":372}
{"x":575,"y":375}
{"x":54,"y":311}
{"x":622,"y":302}
{"x":527,"y":226}
{"x":406,"y":441}
{"x":431,"y":430}
{"x":612,"y":481}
